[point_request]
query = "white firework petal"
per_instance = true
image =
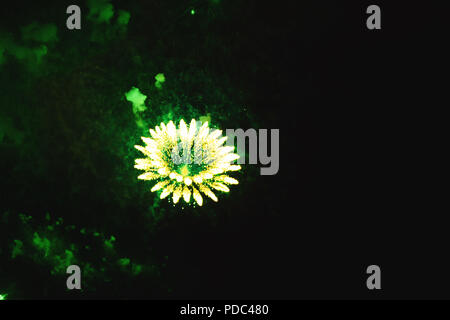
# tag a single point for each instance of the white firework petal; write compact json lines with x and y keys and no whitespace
{"x":186,"y":194}
{"x":183,"y":130}
{"x":197,"y":179}
{"x":149,"y":141}
{"x":226,"y":179}
{"x":203,"y":131}
{"x":225,"y":150}
{"x":192,"y":129}
{"x":142,"y":163}
{"x":163,"y":171}
{"x":172,"y":132}
{"x":160,"y":185}
{"x":197,"y":196}
{"x":219,"y":186}
{"x":221,"y":141}
{"x":215,"y":171}
{"x":143,"y":150}
{"x":208,"y":192}
{"x":154,"y":134}
{"x":168,"y":190}
{"x":156,"y":158}
{"x":230,"y":157}
{"x":207,"y":175}
{"x":177,"y":194}
{"x":148,"y":176}
{"x":156,"y":163}
{"x":215,"y":134}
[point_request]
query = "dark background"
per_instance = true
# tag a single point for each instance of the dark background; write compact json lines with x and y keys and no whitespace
{"x":343,"y":97}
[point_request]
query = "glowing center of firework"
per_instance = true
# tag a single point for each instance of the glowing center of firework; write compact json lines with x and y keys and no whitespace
{"x":188,"y":160}
{"x":184,"y":171}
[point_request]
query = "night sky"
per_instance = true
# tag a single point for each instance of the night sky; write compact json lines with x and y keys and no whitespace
{"x":69,"y":194}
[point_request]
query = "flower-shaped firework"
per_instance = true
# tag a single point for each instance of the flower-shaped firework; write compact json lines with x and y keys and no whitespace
{"x":187,"y":161}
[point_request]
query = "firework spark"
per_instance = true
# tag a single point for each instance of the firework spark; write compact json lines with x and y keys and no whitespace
{"x":187,"y":161}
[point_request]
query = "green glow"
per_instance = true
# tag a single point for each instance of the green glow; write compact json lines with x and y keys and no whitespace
{"x":40,"y":52}
{"x":124,"y":262}
{"x":52,"y":252}
{"x":24,"y":218}
{"x":184,"y":170}
{"x":41,"y":243}
{"x":31,"y":49}
{"x":137,"y":99}
{"x":30,"y":56}
{"x":100,"y":10}
{"x":110,"y":243}
{"x":63,"y":261}
{"x":2,"y":58}
{"x":124,"y":17}
{"x":192,"y":11}
{"x":160,"y":79}
{"x":136,"y":269}
{"x":8,"y":129}
{"x":40,"y":33}
{"x":3,"y":296}
{"x":18,"y":248}
{"x":106,"y":14}
{"x":206,"y":118}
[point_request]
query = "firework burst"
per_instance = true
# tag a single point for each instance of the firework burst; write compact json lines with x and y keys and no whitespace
{"x":187,"y":161}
